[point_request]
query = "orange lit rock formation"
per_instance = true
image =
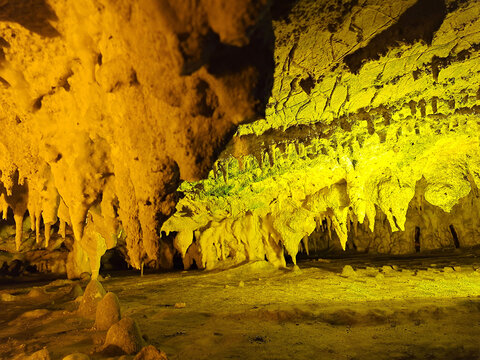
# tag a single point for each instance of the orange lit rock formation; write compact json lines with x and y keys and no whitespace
{"x":106,"y":105}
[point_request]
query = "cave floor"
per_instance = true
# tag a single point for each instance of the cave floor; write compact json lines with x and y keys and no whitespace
{"x":389,"y":308}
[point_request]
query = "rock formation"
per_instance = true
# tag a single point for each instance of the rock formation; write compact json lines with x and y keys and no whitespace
{"x":370,"y":140}
{"x":107,"y":105}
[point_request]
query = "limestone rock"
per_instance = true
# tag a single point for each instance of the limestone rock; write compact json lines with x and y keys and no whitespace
{"x":108,"y":312}
{"x":370,"y":141}
{"x":94,"y":293}
{"x":150,"y":352}
{"x":124,"y":335}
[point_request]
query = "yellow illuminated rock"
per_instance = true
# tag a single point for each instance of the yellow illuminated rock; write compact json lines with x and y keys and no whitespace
{"x":371,"y":140}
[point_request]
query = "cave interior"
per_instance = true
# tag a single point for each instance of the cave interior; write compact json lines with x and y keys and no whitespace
{"x":239,"y":179}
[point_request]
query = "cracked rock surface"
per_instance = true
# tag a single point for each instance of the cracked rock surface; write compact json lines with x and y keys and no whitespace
{"x":370,"y":140}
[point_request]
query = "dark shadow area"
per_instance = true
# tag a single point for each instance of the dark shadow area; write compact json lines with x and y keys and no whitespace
{"x":417,"y":23}
{"x":227,"y":60}
{"x":177,"y":261}
{"x":417,"y":239}
{"x":34,"y":15}
{"x":281,"y":9}
{"x":113,"y":259}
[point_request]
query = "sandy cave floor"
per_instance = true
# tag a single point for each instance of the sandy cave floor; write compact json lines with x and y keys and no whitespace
{"x":390,"y":308}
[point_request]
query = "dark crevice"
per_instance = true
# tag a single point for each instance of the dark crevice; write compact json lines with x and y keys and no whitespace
{"x":395,"y":220}
{"x":417,"y":23}
{"x":307,"y":84}
{"x":178,"y":261}
{"x":37,"y":105}
{"x":417,"y":239}
{"x":4,"y":82}
{"x":454,"y":236}
{"x":194,"y":265}
{"x":288,"y":259}
{"x":206,"y":100}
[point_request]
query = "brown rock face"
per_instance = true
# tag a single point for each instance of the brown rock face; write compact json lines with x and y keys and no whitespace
{"x":106,"y":105}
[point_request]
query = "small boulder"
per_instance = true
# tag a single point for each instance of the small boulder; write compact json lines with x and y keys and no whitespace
{"x":94,"y":292}
{"x":76,"y":356}
{"x":36,"y":292}
{"x":124,"y":335}
{"x":108,"y":312}
{"x":387,"y":269}
{"x":40,"y":355}
{"x":348,"y":271}
{"x":150,"y":352}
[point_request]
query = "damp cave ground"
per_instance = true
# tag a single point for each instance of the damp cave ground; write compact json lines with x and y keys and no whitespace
{"x":408,"y":307}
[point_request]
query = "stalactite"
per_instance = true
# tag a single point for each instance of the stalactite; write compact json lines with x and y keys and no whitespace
{"x":18,"y":230}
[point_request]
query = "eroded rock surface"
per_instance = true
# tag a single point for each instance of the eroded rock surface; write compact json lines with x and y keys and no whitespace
{"x":370,"y":141}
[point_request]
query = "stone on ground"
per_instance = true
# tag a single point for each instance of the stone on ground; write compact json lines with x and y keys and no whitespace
{"x":94,"y":292}
{"x":124,"y":335}
{"x":150,"y":352}
{"x":348,"y":271}
{"x":39,"y":355}
{"x":108,"y":312}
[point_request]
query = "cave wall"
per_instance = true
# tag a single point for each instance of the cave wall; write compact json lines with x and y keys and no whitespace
{"x":106,"y":105}
{"x":371,"y":139}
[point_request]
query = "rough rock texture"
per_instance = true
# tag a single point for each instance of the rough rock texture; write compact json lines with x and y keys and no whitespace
{"x":371,"y":139}
{"x":94,"y":293}
{"x":124,"y":335}
{"x":108,"y":312}
{"x":150,"y":352}
{"x":105,"y":105}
